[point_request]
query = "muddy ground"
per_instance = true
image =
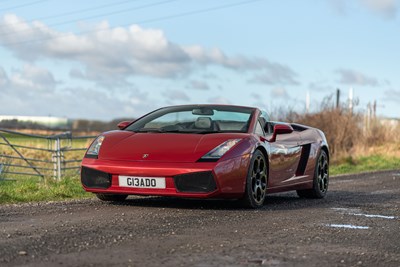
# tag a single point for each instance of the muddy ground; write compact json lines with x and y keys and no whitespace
{"x":358,"y":224}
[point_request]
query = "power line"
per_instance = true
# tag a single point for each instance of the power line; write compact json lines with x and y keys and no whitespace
{"x":23,"y":5}
{"x":144,"y":21}
{"x":72,"y":12}
{"x":95,"y":16}
{"x":194,"y":12}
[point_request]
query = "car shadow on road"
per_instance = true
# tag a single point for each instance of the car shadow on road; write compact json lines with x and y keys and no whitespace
{"x":283,"y":201}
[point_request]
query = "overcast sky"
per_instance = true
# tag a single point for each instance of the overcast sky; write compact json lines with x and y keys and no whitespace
{"x":109,"y":59}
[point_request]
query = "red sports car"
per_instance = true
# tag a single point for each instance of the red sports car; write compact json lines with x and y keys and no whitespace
{"x":207,"y":151}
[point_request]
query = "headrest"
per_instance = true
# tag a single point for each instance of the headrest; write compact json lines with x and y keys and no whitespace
{"x":203,"y":123}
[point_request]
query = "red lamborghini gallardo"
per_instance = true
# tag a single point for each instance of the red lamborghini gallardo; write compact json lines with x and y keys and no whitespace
{"x":207,"y":151}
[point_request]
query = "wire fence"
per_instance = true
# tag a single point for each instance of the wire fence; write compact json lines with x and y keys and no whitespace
{"x":54,"y":156}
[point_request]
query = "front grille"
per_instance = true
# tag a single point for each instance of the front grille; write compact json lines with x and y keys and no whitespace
{"x":95,"y":179}
{"x":196,"y":182}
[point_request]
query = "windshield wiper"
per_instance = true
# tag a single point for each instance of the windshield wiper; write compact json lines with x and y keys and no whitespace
{"x":207,"y":132}
{"x":150,"y":130}
{"x":158,"y":130}
{"x":188,"y":131}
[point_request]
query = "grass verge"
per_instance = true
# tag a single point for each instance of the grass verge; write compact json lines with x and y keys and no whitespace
{"x":378,"y":162}
{"x":33,"y":190}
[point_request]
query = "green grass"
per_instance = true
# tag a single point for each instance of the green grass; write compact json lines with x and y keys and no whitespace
{"x":364,"y":164}
{"x":33,"y":190}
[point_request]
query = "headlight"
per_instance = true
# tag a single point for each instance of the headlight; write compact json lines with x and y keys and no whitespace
{"x":94,"y":148}
{"x":220,"y":150}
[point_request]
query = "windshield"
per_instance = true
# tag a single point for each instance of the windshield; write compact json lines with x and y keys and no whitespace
{"x":195,"y":119}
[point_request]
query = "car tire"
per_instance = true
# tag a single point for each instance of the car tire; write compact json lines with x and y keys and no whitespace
{"x":321,"y":179}
{"x":256,"y":182}
{"x":111,"y":197}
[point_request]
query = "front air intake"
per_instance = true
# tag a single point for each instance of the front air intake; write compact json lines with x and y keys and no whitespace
{"x":196,"y":182}
{"x":95,"y":179}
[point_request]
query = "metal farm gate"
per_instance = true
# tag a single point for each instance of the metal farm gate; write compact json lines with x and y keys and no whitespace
{"x":28,"y":155}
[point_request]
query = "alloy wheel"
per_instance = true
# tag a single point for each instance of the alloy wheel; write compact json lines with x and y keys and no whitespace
{"x":323,"y":173}
{"x":259,"y":179}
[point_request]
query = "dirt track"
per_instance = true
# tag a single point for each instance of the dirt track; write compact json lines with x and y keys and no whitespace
{"x":288,"y":231}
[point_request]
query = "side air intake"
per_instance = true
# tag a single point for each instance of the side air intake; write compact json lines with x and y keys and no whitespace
{"x":197,"y":182}
{"x":305,"y":154}
{"x":95,"y":179}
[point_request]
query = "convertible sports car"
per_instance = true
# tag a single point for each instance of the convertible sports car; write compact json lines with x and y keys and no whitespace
{"x":207,"y":151}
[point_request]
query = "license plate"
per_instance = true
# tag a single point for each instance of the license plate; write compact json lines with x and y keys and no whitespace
{"x":142,"y":182}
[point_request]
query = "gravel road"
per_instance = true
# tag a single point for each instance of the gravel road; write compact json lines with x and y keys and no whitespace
{"x":358,"y":224}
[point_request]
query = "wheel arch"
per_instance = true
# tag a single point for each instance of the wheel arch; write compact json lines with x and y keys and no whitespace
{"x":265,"y":153}
{"x":326,"y":150}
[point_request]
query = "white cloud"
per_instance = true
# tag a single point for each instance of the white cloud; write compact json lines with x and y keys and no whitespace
{"x":32,"y":90}
{"x":352,"y":77}
{"x":32,"y":77}
{"x":215,"y":56}
{"x":101,"y":80}
{"x":110,"y":53}
{"x":276,"y":74}
{"x":110,"y":59}
{"x":385,"y":8}
{"x":29,"y":80}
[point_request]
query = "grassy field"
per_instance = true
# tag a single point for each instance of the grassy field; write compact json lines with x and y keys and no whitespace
{"x":41,"y":153}
{"x":33,"y":189}
{"x":365,"y":164}
{"x":24,"y":189}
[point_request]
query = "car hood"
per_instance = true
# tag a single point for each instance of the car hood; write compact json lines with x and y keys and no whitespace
{"x":162,"y":147}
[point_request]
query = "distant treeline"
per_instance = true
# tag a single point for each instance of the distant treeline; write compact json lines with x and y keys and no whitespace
{"x":73,"y":125}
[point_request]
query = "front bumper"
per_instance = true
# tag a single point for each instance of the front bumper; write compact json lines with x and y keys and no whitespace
{"x":224,"y":179}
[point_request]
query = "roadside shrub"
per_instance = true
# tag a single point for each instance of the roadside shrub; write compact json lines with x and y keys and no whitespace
{"x":349,"y":134}
{"x":342,"y":128}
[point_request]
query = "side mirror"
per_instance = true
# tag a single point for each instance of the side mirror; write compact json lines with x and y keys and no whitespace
{"x":280,"y":129}
{"x":123,"y":124}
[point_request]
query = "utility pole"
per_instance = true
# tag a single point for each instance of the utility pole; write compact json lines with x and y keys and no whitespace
{"x":337,"y":98}
{"x":308,"y":101}
{"x":369,"y":113}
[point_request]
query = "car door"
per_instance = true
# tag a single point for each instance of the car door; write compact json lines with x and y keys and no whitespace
{"x":284,"y":159}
